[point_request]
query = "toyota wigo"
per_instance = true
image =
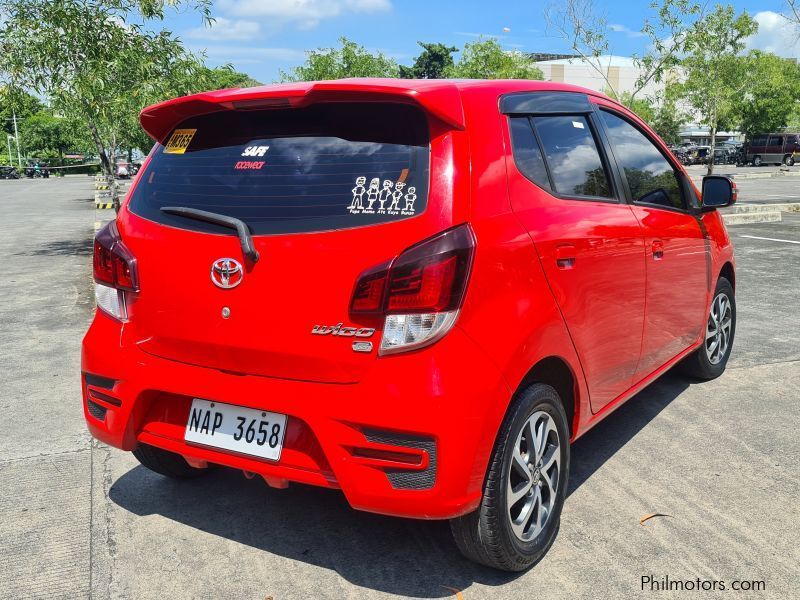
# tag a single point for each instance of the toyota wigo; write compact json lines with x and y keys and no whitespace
{"x":417,"y":292}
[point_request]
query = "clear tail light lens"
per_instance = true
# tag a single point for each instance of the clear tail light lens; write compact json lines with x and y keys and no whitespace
{"x":115,"y":272}
{"x":421,"y":292}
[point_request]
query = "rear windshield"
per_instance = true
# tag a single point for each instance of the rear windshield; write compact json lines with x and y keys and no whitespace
{"x":327,"y":166}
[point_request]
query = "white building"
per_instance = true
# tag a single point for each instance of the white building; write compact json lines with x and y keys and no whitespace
{"x":620,"y":71}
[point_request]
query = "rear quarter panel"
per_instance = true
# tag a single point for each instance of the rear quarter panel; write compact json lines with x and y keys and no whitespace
{"x":509,"y":310}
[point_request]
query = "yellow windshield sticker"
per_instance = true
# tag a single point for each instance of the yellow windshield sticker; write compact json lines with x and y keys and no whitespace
{"x":179,"y":141}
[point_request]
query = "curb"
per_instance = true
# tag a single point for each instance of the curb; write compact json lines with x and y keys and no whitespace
{"x":746,"y":218}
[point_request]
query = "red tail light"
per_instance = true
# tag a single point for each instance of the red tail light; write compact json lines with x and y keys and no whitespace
{"x":114,"y":265}
{"x":429,"y":277}
{"x":421,"y":293}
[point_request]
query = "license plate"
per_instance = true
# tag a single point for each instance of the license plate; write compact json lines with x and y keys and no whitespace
{"x":236,"y":428}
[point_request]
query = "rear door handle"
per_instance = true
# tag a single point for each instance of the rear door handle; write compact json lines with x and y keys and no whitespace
{"x":565,"y":256}
{"x":658,"y":249}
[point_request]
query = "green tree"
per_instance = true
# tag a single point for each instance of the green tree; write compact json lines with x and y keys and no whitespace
{"x":14,"y":101}
{"x":772,"y":93}
{"x":715,"y":74}
{"x":432,"y":63}
{"x":348,"y":60}
{"x":486,"y":59}
{"x":44,"y":135}
{"x":96,"y":60}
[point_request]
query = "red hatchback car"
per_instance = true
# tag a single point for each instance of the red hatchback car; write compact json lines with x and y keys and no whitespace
{"x":417,"y":292}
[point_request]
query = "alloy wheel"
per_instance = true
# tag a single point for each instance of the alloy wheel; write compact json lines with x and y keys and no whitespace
{"x":533,"y":476}
{"x":718,"y":330}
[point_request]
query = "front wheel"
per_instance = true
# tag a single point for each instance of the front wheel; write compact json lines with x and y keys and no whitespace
{"x":518,"y":517}
{"x":788,"y":160}
{"x":710,"y":359}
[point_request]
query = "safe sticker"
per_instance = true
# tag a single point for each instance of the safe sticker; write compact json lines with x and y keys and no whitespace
{"x":179,"y":142}
{"x":577,"y":125}
{"x":255,"y":151}
{"x":382,"y":198}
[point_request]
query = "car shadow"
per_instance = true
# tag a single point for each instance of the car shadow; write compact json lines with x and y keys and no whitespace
{"x":316,"y":526}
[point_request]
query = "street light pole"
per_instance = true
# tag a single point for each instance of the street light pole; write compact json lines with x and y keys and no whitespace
{"x":16,"y":139}
{"x":8,"y":142}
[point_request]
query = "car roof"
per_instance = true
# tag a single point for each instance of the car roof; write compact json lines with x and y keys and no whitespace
{"x":440,"y":97}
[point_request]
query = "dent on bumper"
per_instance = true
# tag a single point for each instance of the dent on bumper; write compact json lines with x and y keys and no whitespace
{"x":422,"y":394}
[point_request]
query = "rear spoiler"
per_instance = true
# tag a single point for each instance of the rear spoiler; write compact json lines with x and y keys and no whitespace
{"x":441,"y":99}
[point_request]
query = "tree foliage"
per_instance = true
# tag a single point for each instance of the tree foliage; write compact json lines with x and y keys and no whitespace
{"x":97,"y":62}
{"x":486,"y":59}
{"x":432,"y":63}
{"x":771,"y":93}
{"x":715,"y":78}
{"x":585,"y":30}
{"x":45,"y":135}
{"x":348,"y":60}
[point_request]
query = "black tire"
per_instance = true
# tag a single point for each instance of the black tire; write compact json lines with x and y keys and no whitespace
{"x":166,"y":463}
{"x":788,"y":160}
{"x":756,"y":161}
{"x":698,"y":365}
{"x":485,"y":535}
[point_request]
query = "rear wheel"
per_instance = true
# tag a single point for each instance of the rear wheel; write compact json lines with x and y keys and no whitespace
{"x":788,"y":160}
{"x":518,"y":517}
{"x":709,"y":360}
{"x":166,"y":463}
{"x":756,"y":161}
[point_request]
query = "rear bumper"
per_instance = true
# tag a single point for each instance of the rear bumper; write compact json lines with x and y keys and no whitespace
{"x":447,"y":401}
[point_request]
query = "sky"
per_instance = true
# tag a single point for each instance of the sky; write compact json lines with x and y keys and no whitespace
{"x":263,"y":37}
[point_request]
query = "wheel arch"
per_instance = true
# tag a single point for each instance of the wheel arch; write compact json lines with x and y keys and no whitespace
{"x":727,"y":271}
{"x":556,"y":372}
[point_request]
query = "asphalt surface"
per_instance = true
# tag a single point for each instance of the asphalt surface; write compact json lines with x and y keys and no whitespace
{"x":758,"y":185}
{"x":78,"y":519}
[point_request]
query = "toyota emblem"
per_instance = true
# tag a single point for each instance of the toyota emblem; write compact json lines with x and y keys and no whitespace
{"x":226,"y":273}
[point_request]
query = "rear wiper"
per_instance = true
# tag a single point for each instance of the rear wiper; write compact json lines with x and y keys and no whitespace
{"x":243,"y":231}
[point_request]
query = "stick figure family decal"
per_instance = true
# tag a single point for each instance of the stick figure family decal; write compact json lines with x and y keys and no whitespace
{"x":390,"y":198}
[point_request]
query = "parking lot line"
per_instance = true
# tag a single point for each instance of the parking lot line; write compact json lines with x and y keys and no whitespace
{"x":755,"y":237}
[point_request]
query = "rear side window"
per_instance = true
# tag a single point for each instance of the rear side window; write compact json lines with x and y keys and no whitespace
{"x":775,"y":140}
{"x":571,"y":153}
{"x":527,"y":154}
{"x":759,"y":140}
{"x":324,"y":167}
{"x":651,"y":178}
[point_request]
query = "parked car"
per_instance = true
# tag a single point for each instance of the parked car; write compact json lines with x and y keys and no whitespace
{"x":9,"y":173}
{"x":122,"y":171}
{"x":417,"y":292}
{"x":775,"y":148}
{"x":725,"y":155}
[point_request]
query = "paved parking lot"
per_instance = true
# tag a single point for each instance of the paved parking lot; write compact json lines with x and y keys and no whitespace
{"x":78,"y":519}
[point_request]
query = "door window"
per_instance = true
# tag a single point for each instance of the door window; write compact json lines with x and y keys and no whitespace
{"x":571,"y":153}
{"x":651,"y":177}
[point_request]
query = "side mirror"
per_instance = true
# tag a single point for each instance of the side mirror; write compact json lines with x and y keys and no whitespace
{"x":718,"y":191}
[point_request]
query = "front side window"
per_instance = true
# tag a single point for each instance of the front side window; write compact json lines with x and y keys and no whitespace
{"x":571,"y":153}
{"x":651,"y":177}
